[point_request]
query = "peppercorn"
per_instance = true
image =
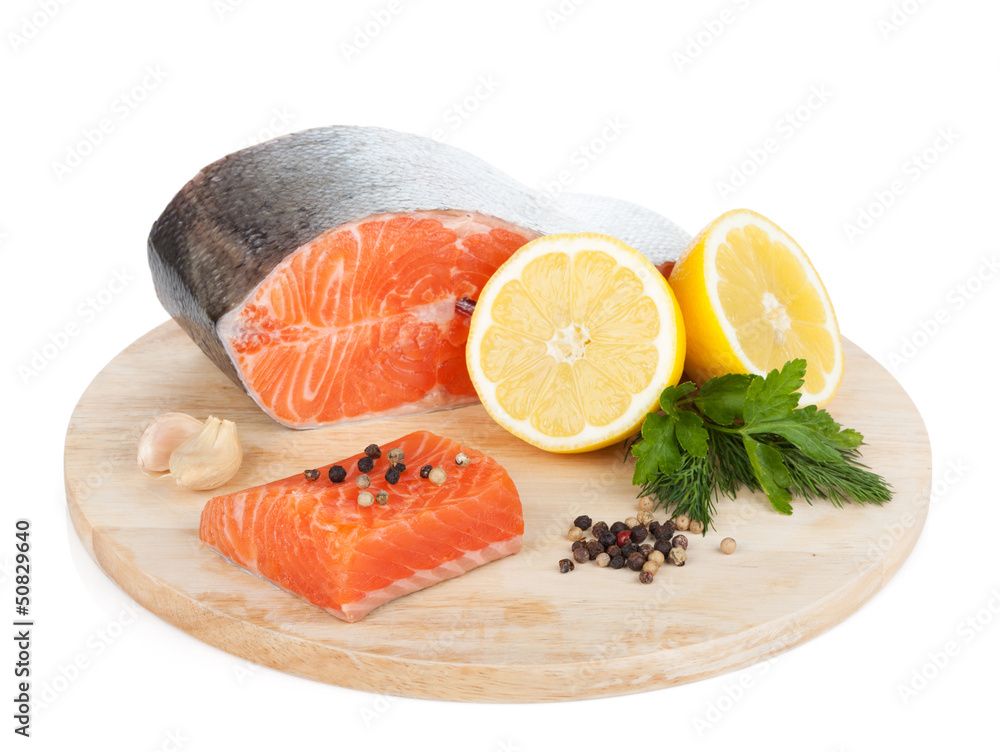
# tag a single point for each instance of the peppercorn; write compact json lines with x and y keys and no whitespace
{"x":652,"y":526}
{"x":631,"y":522}
{"x":337,"y":474}
{"x":664,"y":532}
{"x":608,"y":538}
{"x":622,"y":538}
{"x":462,"y":459}
{"x":682,"y":522}
{"x":635,"y":561}
{"x":583,"y":522}
{"x":618,"y":527}
{"x":363,"y":481}
{"x":600,"y":528}
{"x":645,"y":577}
{"x":680,"y":541}
{"x":565,"y":565}
{"x":613,"y":551}
{"x":647,"y":504}
{"x":594,"y":548}
{"x":382,"y":497}
{"x":392,"y":476}
{"x":575,"y":533}
{"x":396,"y":455}
{"x":658,"y":556}
{"x":617,"y":562}
{"x":728,"y":545}
{"x":695,"y":527}
{"x":400,"y":467}
{"x":603,"y":560}
{"x":638,"y":534}
{"x":651,"y":566}
{"x":645,"y":549}
{"x":437,"y":476}
{"x":628,"y":549}
{"x":425,"y":471}
{"x":366,"y":464}
{"x":311,"y":474}
{"x":663,"y":546}
{"x":577,"y":544}
{"x":581,"y":555}
{"x":644,"y":518}
{"x":678,"y":556}
{"x":365,"y":499}
{"x":373,"y":451}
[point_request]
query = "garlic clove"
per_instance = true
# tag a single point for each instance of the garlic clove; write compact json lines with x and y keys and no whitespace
{"x":208,"y":459}
{"x":162,"y":436}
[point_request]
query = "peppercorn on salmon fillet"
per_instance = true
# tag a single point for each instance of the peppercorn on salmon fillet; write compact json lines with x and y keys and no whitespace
{"x":320,"y":270}
{"x":312,"y":538}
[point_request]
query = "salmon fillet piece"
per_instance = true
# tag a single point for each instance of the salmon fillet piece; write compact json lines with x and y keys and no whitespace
{"x":312,"y":539}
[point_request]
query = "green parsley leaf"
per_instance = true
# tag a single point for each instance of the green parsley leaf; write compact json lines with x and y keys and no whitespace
{"x":774,"y":397}
{"x":658,"y":451}
{"x":721,"y":399}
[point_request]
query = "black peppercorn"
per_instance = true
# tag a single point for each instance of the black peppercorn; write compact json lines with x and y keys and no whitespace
{"x":607,"y":538}
{"x":613,"y":551}
{"x":373,"y":451}
{"x":311,"y":474}
{"x":628,"y":549}
{"x":645,"y":549}
{"x":578,"y":544}
{"x":392,"y":476}
{"x":617,"y":562}
{"x":400,"y":467}
{"x":652,"y":526}
{"x":583,"y":522}
{"x":680,"y":541}
{"x":639,"y":534}
{"x":600,"y":528}
{"x":365,"y":464}
{"x":337,"y":474}
{"x":618,"y":527}
{"x":426,"y":471}
{"x":565,"y":565}
{"x":645,"y":577}
{"x":594,"y":548}
{"x":663,"y":546}
{"x":635,"y":561}
{"x":581,"y":555}
{"x":664,"y":531}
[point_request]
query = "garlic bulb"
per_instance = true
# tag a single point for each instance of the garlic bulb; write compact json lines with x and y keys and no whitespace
{"x":162,"y":436}
{"x":208,"y":459}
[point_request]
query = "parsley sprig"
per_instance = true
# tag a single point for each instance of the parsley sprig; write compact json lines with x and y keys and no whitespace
{"x":741,"y":430}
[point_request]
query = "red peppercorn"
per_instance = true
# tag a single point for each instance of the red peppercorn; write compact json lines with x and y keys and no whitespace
{"x":623,"y":537}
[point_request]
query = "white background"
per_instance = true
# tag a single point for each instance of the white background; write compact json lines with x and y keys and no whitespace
{"x":557,"y":72}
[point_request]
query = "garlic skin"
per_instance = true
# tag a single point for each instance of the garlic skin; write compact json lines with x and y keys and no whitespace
{"x":162,"y":436}
{"x":208,"y":459}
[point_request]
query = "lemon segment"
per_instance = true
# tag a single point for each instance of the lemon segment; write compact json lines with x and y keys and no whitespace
{"x":751,"y":301}
{"x":572,"y":341}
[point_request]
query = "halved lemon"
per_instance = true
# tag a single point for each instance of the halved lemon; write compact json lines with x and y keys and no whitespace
{"x":752,"y":301}
{"x":572,"y":341}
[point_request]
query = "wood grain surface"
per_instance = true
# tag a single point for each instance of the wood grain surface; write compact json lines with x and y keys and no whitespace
{"x":515,"y":630}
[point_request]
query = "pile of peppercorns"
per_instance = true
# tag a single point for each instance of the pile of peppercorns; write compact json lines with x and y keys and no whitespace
{"x":338,"y":473}
{"x":640,"y":543}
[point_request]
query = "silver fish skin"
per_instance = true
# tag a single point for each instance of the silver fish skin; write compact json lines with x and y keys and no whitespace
{"x":240,"y":216}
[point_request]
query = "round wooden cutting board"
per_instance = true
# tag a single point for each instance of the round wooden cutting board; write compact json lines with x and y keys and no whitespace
{"x":514,"y":630}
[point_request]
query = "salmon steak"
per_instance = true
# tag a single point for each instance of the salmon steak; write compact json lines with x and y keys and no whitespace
{"x":313,"y":539}
{"x":320,"y":270}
